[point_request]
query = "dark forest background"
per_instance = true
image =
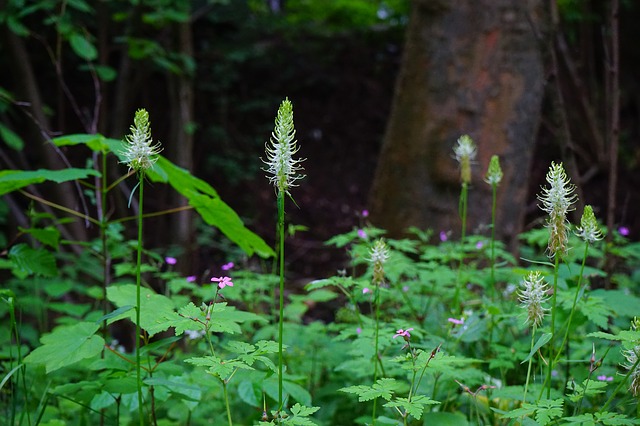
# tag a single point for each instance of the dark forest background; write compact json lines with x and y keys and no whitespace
{"x":212,"y":74}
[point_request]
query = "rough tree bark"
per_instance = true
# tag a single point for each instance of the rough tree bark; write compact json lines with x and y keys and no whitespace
{"x":469,"y":67}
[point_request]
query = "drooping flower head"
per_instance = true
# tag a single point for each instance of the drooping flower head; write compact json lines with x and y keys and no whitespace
{"x":465,"y":153}
{"x":588,"y":229}
{"x":532,"y":295}
{"x":140,"y":152}
{"x":282,"y":168}
{"x":557,"y":200}
{"x":494,"y":172}
{"x":379,"y":255}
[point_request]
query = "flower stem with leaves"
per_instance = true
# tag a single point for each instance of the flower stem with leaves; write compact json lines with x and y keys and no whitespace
{"x":465,"y":153}
{"x":283,"y":171}
{"x":140,"y":154}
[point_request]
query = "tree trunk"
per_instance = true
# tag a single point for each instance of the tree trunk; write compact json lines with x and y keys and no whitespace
{"x":475,"y":69}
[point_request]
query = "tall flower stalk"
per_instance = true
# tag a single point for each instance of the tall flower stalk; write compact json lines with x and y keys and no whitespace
{"x":140,"y":154}
{"x":465,"y":153}
{"x":493,"y":178}
{"x":283,"y":172}
{"x":379,"y":256}
{"x":557,"y":200}
{"x":532,"y":295}
{"x":590,"y":233}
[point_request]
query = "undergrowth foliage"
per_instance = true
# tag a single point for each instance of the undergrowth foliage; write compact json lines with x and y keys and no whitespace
{"x":425,"y":330}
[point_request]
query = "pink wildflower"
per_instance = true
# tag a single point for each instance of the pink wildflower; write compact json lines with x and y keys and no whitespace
{"x":365,"y":213}
{"x":624,"y":231}
{"x":227,"y":266}
{"x":605,"y":378}
{"x":170,"y":260}
{"x":443,"y":236}
{"x":403,"y":333}
{"x":456,"y":321}
{"x":191,"y":278}
{"x":223,"y":282}
{"x":362,"y":234}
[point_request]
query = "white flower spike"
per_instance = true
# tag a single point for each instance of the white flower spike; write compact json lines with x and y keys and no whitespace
{"x":140,"y":152}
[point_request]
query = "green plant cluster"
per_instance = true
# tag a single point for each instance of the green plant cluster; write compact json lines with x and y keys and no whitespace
{"x":424,"y":330}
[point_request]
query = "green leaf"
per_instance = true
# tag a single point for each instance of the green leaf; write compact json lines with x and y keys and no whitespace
{"x":33,"y":261}
{"x":415,"y":407}
{"x":153,"y":307}
{"x":543,"y":340}
{"x":83,"y":47}
{"x":623,"y":336}
{"x":300,"y":415}
{"x":382,"y":388}
{"x":66,"y":345}
{"x":11,"y":138}
{"x":11,"y":180}
{"x":49,"y":236}
{"x":445,"y":419}
{"x":208,"y":204}
{"x":297,"y":392}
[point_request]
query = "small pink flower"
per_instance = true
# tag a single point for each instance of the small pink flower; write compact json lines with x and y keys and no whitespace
{"x":170,"y":260}
{"x":366,"y":290}
{"x":443,"y":236}
{"x":403,"y":333}
{"x":605,"y":378}
{"x":227,"y":266}
{"x":624,"y":231}
{"x":358,"y":330}
{"x":223,"y":282}
{"x":456,"y":321}
{"x":191,"y":278}
{"x":405,"y":288}
{"x":362,"y":234}
{"x":365,"y":213}
{"x":479,"y":245}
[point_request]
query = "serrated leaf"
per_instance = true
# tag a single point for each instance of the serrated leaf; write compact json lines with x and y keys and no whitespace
{"x":49,"y":236}
{"x":383,"y":388}
{"x":33,"y":261}
{"x":415,"y":407}
{"x":154,"y":308}
{"x":300,"y":415}
{"x":66,"y":345}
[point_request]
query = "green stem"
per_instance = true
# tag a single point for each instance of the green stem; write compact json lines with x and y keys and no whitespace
{"x":526,"y":386}
{"x":375,"y":353}
{"x":553,"y":325}
{"x":463,"y":232}
{"x":226,"y":401}
{"x":138,"y":280}
{"x":281,"y":304}
{"x":493,"y":240}
{"x":575,"y":302}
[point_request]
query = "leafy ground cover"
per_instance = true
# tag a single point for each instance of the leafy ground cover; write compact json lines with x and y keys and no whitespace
{"x":424,"y":330}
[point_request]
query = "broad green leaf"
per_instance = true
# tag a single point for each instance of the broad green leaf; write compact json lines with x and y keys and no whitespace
{"x":33,"y":261}
{"x":297,"y":392}
{"x":83,"y":47}
{"x":153,"y":307}
{"x":49,"y":236}
{"x":11,"y":138}
{"x":12,"y":180}
{"x":623,"y":336}
{"x":95,"y":142}
{"x":445,"y":419}
{"x":543,"y":340}
{"x":211,"y":208}
{"x":66,"y":345}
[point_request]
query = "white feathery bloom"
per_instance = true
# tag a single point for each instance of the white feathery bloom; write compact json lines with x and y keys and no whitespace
{"x":140,"y":152}
{"x":588,"y":229}
{"x":532,"y":295}
{"x":281,"y":166}
{"x":465,"y":153}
